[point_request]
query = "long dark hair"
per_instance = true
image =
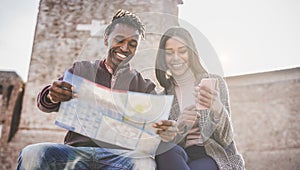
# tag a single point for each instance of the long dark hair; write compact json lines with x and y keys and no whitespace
{"x":160,"y":63}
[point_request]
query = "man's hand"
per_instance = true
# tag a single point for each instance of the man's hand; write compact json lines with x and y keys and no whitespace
{"x":166,"y":129}
{"x":61,"y":91}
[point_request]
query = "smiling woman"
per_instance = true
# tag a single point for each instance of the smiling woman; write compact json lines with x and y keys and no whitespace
{"x":204,"y":135}
{"x":176,"y":55}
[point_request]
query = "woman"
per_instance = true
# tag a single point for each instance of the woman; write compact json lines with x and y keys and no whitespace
{"x":203,"y":138}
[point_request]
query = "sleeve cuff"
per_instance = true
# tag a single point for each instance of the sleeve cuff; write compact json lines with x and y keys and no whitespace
{"x":217,"y":116}
{"x":44,"y":103}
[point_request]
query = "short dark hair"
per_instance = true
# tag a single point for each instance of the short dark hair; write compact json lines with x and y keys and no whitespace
{"x":160,"y":63}
{"x":128,"y":18}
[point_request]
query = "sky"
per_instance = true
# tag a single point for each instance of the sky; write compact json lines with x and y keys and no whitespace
{"x":17,"y":26}
{"x":247,"y":36}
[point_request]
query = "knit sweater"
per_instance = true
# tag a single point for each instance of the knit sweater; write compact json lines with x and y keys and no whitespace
{"x":217,"y":135}
{"x":185,"y":89}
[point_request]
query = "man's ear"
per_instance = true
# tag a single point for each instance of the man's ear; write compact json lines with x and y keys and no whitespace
{"x":105,"y":41}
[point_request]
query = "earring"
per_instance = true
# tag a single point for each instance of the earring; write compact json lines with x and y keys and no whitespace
{"x":168,"y":74}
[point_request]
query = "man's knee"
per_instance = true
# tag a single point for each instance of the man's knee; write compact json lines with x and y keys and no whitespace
{"x":33,"y":155}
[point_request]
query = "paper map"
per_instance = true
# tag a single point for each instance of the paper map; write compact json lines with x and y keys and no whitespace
{"x":121,"y":118}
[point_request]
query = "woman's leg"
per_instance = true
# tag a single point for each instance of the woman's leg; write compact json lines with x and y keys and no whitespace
{"x":126,"y":159}
{"x":206,"y":163}
{"x":175,"y":159}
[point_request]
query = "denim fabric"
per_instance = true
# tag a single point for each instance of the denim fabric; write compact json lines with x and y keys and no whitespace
{"x":50,"y":156}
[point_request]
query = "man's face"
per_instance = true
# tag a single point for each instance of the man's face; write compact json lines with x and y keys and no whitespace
{"x":122,"y":43}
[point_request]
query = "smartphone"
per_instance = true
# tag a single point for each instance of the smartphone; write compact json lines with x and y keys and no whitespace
{"x":211,"y":83}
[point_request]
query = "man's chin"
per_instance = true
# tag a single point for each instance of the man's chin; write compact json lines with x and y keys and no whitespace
{"x":121,"y":64}
{"x":126,"y":60}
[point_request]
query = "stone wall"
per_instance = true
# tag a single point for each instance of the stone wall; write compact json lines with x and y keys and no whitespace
{"x":11,"y":95}
{"x":60,"y":39}
{"x":266,"y":116}
{"x":69,"y":30}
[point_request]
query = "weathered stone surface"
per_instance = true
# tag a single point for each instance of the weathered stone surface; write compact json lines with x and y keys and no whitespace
{"x":9,"y":153}
{"x":58,"y":43}
{"x":265,"y":116}
{"x":11,"y":95}
{"x":273,"y":159}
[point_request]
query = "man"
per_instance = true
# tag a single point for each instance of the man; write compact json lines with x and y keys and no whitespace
{"x":121,"y":37}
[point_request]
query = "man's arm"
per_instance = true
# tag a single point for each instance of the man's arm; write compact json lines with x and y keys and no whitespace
{"x":144,"y":85}
{"x":52,"y":95}
{"x":44,"y":103}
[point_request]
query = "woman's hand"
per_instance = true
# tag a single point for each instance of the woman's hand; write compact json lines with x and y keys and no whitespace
{"x":187,"y":119}
{"x":61,"y":91}
{"x":210,"y":98}
{"x":166,"y":129}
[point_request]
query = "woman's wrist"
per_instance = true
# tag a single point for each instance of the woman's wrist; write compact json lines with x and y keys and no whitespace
{"x":217,"y":114}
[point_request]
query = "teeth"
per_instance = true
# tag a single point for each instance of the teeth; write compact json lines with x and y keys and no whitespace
{"x":177,"y":65}
{"x":121,"y":55}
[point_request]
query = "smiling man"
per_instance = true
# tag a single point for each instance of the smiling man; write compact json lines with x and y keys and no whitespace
{"x":122,"y":43}
{"x":121,"y":37}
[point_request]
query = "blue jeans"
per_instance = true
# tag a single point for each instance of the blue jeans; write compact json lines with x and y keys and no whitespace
{"x":50,"y":156}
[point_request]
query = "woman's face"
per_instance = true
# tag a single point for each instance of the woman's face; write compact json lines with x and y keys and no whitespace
{"x":176,"y":53}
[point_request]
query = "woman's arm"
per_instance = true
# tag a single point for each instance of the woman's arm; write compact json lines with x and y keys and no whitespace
{"x":216,"y":122}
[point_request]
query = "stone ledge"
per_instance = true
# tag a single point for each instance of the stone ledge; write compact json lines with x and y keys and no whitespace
{"x":264,"y":78}
{"x":271,"y":160}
